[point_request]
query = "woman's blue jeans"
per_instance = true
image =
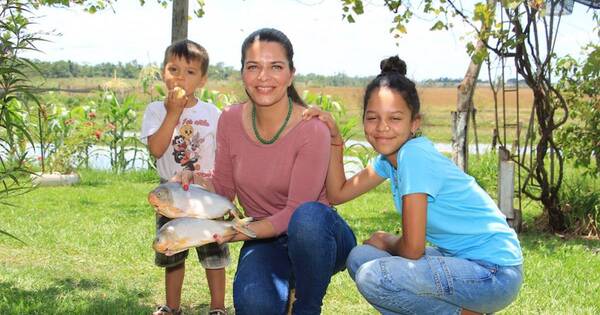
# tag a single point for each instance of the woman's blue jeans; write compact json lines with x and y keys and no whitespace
{"x":315,"y":248}
{"x":433,"y":284}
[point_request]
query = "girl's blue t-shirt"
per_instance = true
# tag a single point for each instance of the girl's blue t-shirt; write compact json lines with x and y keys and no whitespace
{"x":462,"y":219}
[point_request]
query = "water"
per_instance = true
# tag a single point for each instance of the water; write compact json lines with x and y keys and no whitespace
{"x":100,"y":158}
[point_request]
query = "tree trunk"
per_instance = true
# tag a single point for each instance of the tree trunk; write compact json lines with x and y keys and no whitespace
{"x":179,"y":26}
{"x":460,"y":144}
{"x":460,"y":147}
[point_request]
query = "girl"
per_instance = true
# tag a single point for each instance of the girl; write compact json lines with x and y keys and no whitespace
{"x":475,"y":262}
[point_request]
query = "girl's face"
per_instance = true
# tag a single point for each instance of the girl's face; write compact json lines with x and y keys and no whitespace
{"x":266,"y":73}
{"x":187,"y":75}
{"x":388,"y":123}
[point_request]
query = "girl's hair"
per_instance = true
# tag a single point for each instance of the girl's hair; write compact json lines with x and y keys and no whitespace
{"x":273,"y":35}
{"x":190,"y":51}
{"x":393,"y":76}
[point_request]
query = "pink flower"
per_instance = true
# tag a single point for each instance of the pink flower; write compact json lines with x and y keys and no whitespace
{"x":69,"y":121}
{"x":92,"y":115}
{"x":98,"y":134}
{"x":111,"y":126}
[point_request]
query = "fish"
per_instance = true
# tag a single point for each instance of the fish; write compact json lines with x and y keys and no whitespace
{"x":180,"y":234}
{"x":170,"y":200}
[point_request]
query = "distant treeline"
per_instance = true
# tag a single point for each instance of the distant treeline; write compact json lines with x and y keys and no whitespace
{"x":131,"y":70}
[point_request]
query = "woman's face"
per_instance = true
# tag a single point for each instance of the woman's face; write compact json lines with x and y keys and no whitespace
{"x":388,"y":123}
{"x":266,"y":73}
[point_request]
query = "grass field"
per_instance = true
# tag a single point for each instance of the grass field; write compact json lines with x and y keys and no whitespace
{"x":88,"y":251}
{"x":436,"y":104}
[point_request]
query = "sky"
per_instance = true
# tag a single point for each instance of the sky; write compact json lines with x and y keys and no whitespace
{"x":323,"y":42}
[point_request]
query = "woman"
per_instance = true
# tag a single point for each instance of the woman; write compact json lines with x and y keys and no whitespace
{"x":475,"y":263}
{"x":275,"y":163}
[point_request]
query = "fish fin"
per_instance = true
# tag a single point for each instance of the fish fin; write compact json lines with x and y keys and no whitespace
{"x":244,"y":230}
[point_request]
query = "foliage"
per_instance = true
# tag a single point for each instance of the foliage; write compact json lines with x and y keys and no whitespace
{"x":15,"y":91}
{"x":120,"y":117}
{"x":69,"y":132}
{"x":580,"y":85}
{"x":581,"y":203}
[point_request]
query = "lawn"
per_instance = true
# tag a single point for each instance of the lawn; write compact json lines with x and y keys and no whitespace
{"x":88,"y":251}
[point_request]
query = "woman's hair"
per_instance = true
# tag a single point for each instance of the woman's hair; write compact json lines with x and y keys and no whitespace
{"x":273,"y":35}
{"x":190,"y":51}
{"x":393,"y":76}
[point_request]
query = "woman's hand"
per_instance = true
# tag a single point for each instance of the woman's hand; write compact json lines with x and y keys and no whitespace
{"x":327,"y":118}
{"x":187,"y":177}
{"x":382,"y":240}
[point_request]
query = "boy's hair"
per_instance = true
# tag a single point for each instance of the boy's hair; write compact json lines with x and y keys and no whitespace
{"x":189,"y":50}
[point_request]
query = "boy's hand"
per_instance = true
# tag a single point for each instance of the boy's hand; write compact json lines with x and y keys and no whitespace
{"x":176,"y":100}
{"x":324,"y":116}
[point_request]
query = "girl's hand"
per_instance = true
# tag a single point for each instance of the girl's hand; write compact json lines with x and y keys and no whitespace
{"x":327,"y":118}
{"x":381,"y":240}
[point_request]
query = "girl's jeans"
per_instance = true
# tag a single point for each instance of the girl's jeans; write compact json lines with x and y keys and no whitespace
{"x":433,"y":284}
{"x":315,"y":248}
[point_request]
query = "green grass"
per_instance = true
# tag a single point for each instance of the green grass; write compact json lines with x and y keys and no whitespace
{"x":88,"y":251}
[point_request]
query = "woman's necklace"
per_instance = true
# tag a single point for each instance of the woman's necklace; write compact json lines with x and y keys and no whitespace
{"x":278,"y":133}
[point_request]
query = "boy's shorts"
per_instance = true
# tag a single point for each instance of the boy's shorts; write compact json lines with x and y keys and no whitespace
{"x":211,"y":256}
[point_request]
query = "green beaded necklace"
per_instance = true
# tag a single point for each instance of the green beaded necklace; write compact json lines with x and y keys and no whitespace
{"x":276,"y":136}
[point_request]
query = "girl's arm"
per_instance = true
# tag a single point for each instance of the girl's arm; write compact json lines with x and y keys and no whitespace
{"x":411,"y":244}
{"x":339,"y":189}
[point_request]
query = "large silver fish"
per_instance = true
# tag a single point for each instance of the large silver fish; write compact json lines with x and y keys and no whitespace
{"x":182,"y":233}
{"x":171,"y":201}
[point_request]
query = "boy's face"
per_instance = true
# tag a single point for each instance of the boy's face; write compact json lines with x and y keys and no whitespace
{"x":186,"y":75}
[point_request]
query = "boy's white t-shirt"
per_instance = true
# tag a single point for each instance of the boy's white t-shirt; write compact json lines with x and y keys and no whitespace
{"x":193,"y":143}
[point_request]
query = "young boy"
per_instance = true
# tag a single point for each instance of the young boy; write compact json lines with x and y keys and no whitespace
{"x":180,"y":133}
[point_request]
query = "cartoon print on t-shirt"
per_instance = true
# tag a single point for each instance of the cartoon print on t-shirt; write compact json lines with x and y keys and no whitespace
{"x":187,"y":147}
{"x":186,"y":132}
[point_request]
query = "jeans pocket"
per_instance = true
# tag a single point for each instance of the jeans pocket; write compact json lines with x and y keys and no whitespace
{"x":473,"y":271}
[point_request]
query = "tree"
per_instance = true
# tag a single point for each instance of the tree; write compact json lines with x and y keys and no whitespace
{"x":580,"y":84}
{"x":529,"y":38}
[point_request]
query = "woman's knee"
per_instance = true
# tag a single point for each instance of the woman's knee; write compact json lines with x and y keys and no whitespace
{"x":310,"y":219}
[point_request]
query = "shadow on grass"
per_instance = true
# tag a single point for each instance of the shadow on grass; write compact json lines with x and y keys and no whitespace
{"x":550,"y":243}
{"x":71,"y":296}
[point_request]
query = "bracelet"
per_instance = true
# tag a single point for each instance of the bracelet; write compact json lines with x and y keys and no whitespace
{"x":337,"y":145}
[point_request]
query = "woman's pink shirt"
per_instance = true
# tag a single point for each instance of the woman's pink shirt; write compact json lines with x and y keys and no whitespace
{"x":271,"y":181}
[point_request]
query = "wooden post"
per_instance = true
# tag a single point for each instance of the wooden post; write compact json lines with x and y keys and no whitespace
{"x":506,"y":187}
{"x":179,"y":20}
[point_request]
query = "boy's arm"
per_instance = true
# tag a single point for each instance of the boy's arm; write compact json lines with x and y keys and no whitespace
{"x":159,"y":141}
